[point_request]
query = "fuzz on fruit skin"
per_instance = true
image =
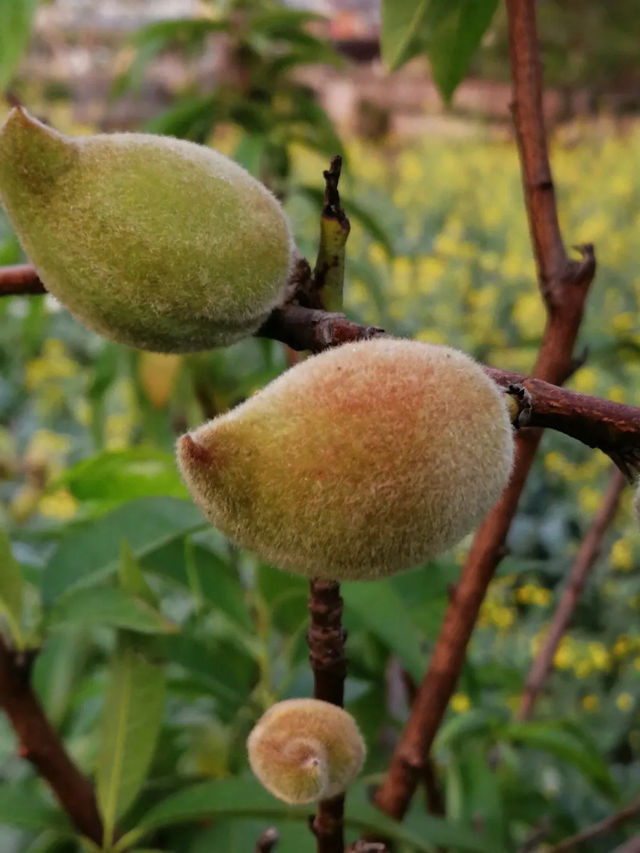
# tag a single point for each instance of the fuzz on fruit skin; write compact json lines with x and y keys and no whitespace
{"x":357,"y":463}
{"x":305,"y":750}
{"x":151,"y":241}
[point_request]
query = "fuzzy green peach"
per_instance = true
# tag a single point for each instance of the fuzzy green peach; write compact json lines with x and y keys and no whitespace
{"x":357,"y":463}
{"x":306,"y":750}
{"x":151,"y":241}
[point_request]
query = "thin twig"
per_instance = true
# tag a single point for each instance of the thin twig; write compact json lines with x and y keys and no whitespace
{"x":585,"y":558}
{"x":434,"y":795}
{"x":598,"y":829}
{"x":40,"y":744}
{"x":326,"y":640}
{"x":563,"y":285}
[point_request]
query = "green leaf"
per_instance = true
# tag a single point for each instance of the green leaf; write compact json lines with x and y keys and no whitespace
{"x":16,"y":17}
{"x":381,"y":610}
{"x":131,"y":722}
{"x":459,"y":728}
{"x":476,"y":791}
{"x":449,"y":31}
{"x":10,"y":589}
{"x":453,"y":30}
{"x":132,"y":579}
{"x":564,"y":744}
{"x":49,"y":841}
{"x":91,"y":552}
{"x":116,"y":476}
{"x":401,"y":22}
{"x":245,"y":797}
{"x":21,"y":806}
{"x":108,"y":606}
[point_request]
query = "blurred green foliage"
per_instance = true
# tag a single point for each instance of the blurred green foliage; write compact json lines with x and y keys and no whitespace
{"x":139,"y":604}
{"x":261,"y":45}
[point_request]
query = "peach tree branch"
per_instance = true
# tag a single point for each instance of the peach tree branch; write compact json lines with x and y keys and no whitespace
{"x":563,"y":286}
{"x":585,"y":558}
{"x":40,"y":744}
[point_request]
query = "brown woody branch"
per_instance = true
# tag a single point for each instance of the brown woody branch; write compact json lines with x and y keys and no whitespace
{"x":601,"y":828}
{"x":611,"y":427}
{"x":326,"y":638}
{"x":585,"y":558}
{"x":563,"y":285}
{"x":39,"y":743}
{"x":20,"y":280}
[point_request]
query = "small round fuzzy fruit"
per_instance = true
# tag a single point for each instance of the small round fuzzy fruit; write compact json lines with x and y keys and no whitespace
{"x":305,"y":750}
{"x":357,"y":463}
{"x":151,"y":241}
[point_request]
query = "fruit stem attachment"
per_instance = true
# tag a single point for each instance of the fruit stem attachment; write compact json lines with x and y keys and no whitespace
{"x":328,"y":275}
{"x":326,"y":638}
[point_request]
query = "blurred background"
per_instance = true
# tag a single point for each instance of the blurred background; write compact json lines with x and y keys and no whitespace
{"x":440,"y":252}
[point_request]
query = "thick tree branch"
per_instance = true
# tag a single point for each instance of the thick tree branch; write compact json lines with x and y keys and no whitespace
{"x":601,"y":828}
{"x":40,"y":744}
{"x":326,"y":640}
{"x":611,"y":427}
{"x":586,"y":557}
{"x":563,"y":284}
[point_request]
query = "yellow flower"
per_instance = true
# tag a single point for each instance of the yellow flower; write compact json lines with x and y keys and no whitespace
{"x":621,"y":646}
{"x":565,"y":654}
{"x":460,"y":703}
{"x":589,"y":499}
{"x":583,"y":668}
{"x":590,"y":702}
{"x":599,"y":656}
{"x":60,"y":504}
{"x":586,"y":380}
{"x":622,"y":555}
{"x":624,"y":701}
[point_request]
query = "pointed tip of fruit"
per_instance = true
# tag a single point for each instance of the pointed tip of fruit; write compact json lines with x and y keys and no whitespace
{"x":192,"y":453}
{"x":18,"y":114}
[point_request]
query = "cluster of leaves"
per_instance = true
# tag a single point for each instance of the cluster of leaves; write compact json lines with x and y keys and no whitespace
{"x":263,"y":44}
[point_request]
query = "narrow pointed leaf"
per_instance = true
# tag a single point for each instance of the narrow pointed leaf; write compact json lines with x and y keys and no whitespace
{"x":453,"y":30}
{"x":563,"y":744}
{"x":245,"y":797}
{"x":108,"y":606}
{"x":10,"y":589}
{"x":382,"y":611}
{"x":91,"y":552}
{"x":401,"y":22}
{"x":131,"y":577}
{"x":16,"y":18}
{"x":131,"y":722}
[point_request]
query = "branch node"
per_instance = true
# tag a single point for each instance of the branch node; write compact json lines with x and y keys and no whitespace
{"x":524,"y":404}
